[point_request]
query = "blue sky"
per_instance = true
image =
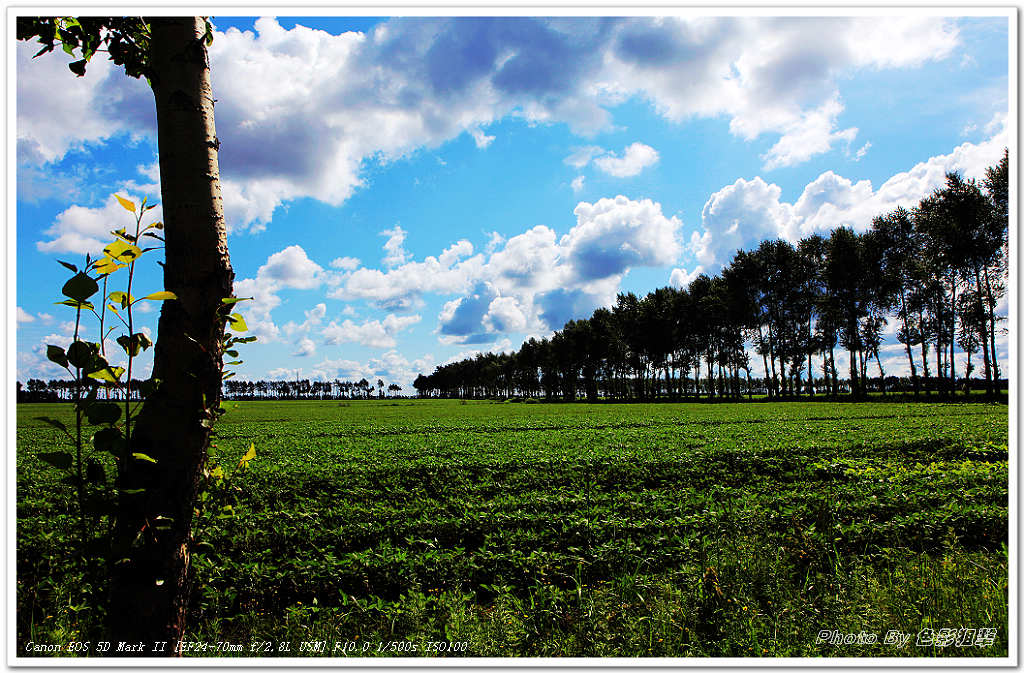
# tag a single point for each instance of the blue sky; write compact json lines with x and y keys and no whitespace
{"x":403,"y":192}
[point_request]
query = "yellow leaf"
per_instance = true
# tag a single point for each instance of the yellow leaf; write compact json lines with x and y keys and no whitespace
{"x":122,"y":252}
{"x":107,"y":266}
{"x":161,"y":296}
{"x":122,"y":298}
{"x":111,"y":374}
{"x":249,"y":455}
{"x":238,"y":323}
{"x":128,"y":205}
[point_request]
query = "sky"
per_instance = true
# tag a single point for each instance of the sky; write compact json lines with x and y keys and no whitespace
{"x":405,"y":192}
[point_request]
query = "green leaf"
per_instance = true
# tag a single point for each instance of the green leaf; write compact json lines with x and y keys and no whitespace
{"x":74,"y":303}
{"x":103,"y":413}
{"x":161,"y":296}
{"x":78,"y":67}
{"x":125,"y":203}
{"x":72,"y":267}
{"x":60,"y":459}
{"x":134,"y":344}
{"x":56,"y":354}
{"x":238,"y":323}
{"x":55,"y":423}
{"x":234,"y":300}
{"x":142,"y":456}
{"x":81,"y":354}
{"x":80,"y":287}
{"x":245,"y":340}
{"x":231,"y":353}
{"x":110,"y":440}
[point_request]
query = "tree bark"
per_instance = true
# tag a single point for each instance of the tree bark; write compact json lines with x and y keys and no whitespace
{"x":150,"y":582}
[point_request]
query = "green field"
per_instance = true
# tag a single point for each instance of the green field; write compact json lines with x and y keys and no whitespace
{"x":572,"y":530}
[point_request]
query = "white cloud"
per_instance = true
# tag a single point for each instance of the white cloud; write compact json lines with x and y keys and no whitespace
{"x":292,"y":268}
{"x":482,"y":141}
{"x":583,"y":155}
{"x":417,"y":82}
{"x":455,"y":252}
{"x":392,"y":367}
{"x":862,"y":151}
{"x":24,"y":316}
{"x":289,"y":268}
{"x":345,"y":263}
{"x":314,"y":317}
{"x":505,"y":315}
{"x":577,"y":184}
{"x":306,"y":347}
{"x":740,"y":215}
{"x":634,"y":159}
{"x":371,"y":333}
{"x":810,"y":134}
{"x":537,"y":281}
{"x":681,"y":278}
{"x":396,"y":254}
{"x":79,"y":229}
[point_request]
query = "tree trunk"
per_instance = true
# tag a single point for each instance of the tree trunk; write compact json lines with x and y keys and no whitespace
{"x":992,"y":328}
{"x":150,"y":582}
{"x":983,"y":335}
{"x":906,"y":332}
{"x":952,"y":341}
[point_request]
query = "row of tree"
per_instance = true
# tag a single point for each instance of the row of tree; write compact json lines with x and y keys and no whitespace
{"x":939,"y":271}
{"x":61,"y":390}
{"x":304,"y":389}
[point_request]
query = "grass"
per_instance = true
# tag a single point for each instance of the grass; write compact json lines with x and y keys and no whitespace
{"x":573,"y":530}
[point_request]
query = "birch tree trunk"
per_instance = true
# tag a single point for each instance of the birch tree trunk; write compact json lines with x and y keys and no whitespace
{"x":150,"y":589}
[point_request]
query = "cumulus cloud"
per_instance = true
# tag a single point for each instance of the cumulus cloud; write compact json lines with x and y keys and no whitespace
{"x":24,"y":316}
{"x":345,"y":263}
{"x":634,"y":159}
{"x":577,"y":183}
{"x":612,"y":235}
{"x":681,"y":278}
{"x":289,"y":268}
{"x":391,"y":366}
{"x":371,"y":333}
{"x":395,"y":252}
{"x":292,"y":268}
{"x":314,"y":317}
{"x":527,"y":282}
{"x":811,"y":134}
{"x":417,"y":82}
{"x":79,"y":229}
{"x":306,"y":347}
{"x":537,"y":280}
{"x":740,"y":215}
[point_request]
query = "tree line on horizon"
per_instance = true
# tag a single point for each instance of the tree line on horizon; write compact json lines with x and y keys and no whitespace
{"x":62,"y":390}
{"x":939,"y":270}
